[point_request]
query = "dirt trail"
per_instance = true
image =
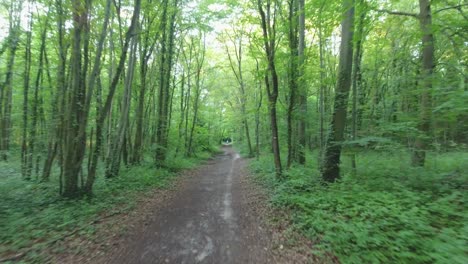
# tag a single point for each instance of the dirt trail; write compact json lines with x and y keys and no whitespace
{"x":209,"y":221}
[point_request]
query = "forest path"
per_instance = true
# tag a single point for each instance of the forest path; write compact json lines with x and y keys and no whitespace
{"x":209,"y":221}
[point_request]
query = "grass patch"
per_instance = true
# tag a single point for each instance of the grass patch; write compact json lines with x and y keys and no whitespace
{"x":32,"y":214}
{"x":389,"y":212}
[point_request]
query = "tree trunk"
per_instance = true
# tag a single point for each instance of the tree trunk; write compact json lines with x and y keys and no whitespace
{"x":167,"y":50}
{"x":268,"y":24}
{"x":240,"y":80}
{"x":74,"y":142}
{"x":293,"y":76}
{"x":258,"y":100}
{"x":331,"y":164}
{"x":137,"y":147}
{"x":422,"y":141}
{"x":322,"y":93}
{"x":200,"y":60}
{"x":145,"y":53}
{"x":57,"y":118}
{"x":113,"y":165}
{"x":25,"y":168}
{"x":356,"y":80}
{"x":301,"y":133}
{"x":35,"y":106}
{"x":100,"y":121}
{"x":182,"y":113}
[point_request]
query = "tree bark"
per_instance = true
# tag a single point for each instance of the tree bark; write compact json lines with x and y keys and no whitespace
{"x":259,"y":99}
{"x":145,"y":53}
{"x":322,"y":93}
{"x":167,"y":50}
{"x":301,"y":133}
{"x":331,"y":164}
{"x":200,"y":60}
{"x":113,"y":165}
{"x":25,"y":168}
{"x":237,"y":70}
{"x":57,"y":118}
{"x":421,"y":144}
{"x":35,"y":106}
{"x":268,"y":25}
{"x":108,"y":103}
{"x":293,"y":79}
{"x":74,"y":142}
{"x":356,"y":80}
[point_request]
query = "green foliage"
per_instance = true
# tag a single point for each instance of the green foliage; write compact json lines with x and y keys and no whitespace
{"x":388,"y":213}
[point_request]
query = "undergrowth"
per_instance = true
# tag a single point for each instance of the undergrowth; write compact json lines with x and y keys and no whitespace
{"x":32,"y":214}
{"x":389,"y":212}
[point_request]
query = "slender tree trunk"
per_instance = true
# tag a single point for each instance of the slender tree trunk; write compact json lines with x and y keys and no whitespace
{"x":331,"y":164}
{"x":322,"y":110}
{"x":167,"y":50}
{"x":259,"y":99}
{"x":189,"y":150}
{"x":200,"y":59}
{"x":293,"y":62}
{"x":73,"y":152}
{"x":137,"y":147}
{"x":57,"y":119}
{"x":113,"y":165}
{"x":100,"y":121}
{"x":36,"y":101}
{"x":182,"y":112}
{"x":268,"y":24}
{"x":188,"y":63}
{"x":356,"y":80}
{"x":145,"y":53}
{"x":421,"y":144}
{"x":257,"y":126}
{"x":237,"y":70}
{"x":301,"y":133}
{"x":106,"y":109}
{"x":25,"y":168}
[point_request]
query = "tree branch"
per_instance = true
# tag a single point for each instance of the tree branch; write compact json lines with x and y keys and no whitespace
{"x":399,"y":13}
{"x":458,"y":7}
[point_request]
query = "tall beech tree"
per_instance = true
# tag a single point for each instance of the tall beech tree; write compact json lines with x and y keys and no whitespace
{"x":268,"y":14}
{"x":293,"y":78}
{"x":25,"y":152}
{"x":302,"y":88}
{"x":426,"y":79}
{"x":332,"y":154}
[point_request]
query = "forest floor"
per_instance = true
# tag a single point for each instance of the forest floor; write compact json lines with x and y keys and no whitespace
{"x":214,"y":214}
